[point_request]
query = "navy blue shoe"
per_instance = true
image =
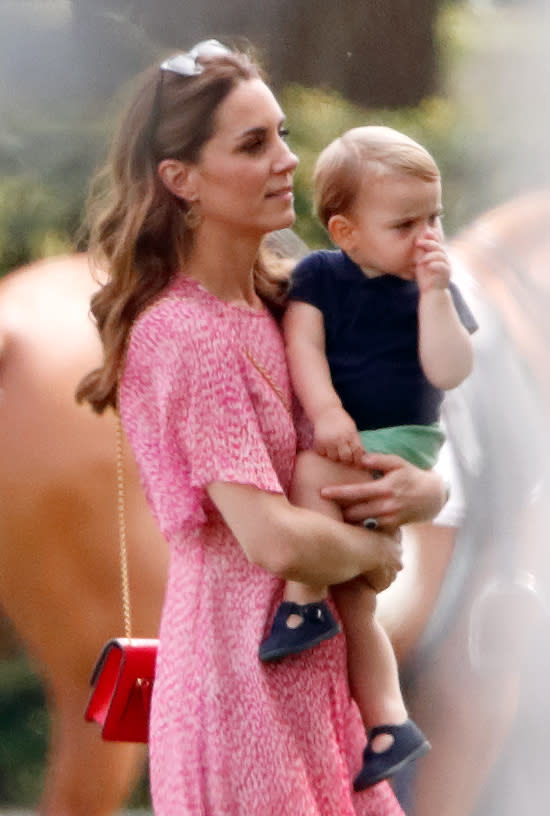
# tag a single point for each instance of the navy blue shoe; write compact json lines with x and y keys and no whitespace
{"x":408,"y":743}
{"x":318,"y":624}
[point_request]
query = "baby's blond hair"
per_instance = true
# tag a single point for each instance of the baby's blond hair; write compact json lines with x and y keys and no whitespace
{"x":364,"y":153}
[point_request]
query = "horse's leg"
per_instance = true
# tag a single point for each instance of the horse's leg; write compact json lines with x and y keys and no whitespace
{"x":86,"y":776}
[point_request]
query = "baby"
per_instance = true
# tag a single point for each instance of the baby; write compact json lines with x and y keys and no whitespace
{"x":375,"y":333}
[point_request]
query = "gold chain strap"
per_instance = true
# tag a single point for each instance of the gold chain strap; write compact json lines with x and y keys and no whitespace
{"x":121,"y":496}
{"x":121,"y":504}
{"x":268,"y":378}
{"x":121,"y":493}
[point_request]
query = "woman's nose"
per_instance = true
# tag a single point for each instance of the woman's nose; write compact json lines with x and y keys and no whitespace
{"x":287,"y":161}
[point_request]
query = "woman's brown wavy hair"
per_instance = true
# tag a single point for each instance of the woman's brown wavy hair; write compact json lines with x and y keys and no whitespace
{"x":138,"y":236}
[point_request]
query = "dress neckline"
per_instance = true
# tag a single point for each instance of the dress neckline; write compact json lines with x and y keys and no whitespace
{"x":184,"y":283}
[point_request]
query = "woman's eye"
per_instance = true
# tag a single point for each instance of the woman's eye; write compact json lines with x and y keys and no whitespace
{"x":253,"y":146}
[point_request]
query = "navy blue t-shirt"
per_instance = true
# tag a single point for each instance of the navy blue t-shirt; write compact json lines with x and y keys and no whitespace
{"x":371,"y":330}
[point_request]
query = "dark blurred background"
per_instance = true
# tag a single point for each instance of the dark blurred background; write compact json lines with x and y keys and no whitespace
{"x":465,"y":78}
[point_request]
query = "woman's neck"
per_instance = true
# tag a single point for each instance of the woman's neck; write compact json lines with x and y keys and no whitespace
{"x":224,"y":267}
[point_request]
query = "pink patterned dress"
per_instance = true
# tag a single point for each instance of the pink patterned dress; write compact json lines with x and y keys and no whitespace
{"x":205,"y":397}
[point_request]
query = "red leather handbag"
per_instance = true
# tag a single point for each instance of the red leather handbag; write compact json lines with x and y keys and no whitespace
{"x":123,"y":681}
{"x":123,"y":676}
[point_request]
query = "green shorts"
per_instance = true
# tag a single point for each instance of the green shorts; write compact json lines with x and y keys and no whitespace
{"x":418,"y":444}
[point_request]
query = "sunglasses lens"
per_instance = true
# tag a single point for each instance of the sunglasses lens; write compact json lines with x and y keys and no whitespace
{"x":208,"y":48}
{"x":182,"y":64}
{"x":187,"y":65}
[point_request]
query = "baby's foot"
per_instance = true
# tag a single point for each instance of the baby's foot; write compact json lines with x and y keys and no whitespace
{"x":297,"y":627}
{"x":408,"y":743}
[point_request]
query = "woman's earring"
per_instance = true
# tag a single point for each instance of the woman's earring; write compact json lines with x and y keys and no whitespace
{"x":192,"y":216}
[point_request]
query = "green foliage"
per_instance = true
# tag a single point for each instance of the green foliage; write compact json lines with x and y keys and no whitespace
{"x":317,"y":116}
{"x":54,"y":123}
{"x":23,"y":733}
{"x":24,"y":737}
{"x":34,"y":222}
{"x":487,"y":128}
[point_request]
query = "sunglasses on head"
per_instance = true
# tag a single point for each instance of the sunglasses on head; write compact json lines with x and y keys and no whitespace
{"x":188,"y":64}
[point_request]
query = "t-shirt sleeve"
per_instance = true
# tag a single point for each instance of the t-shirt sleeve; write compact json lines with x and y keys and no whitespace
{"x":309,"y":282}
{"x":193,"y":423}
{"x":464,"y":312}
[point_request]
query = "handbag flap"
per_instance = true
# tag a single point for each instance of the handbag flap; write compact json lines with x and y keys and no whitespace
{"x":104,"y":679}
{"x":123,"y":680}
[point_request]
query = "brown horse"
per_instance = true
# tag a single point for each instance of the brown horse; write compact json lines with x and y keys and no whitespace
{"x":59,"y":571}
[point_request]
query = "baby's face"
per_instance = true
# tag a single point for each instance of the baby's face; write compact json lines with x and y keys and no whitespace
{"x":391,"y":213}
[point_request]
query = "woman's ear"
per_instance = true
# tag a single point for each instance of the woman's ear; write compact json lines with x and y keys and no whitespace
{"x":342,"y":231}
{"x":180,"y":178}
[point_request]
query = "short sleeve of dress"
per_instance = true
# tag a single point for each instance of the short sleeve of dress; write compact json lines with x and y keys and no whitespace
{"x":215,"y":421}
{"x":191,"y":420}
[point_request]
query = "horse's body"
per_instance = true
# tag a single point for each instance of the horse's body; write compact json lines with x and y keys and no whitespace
{"x":59,"y":569}
{"x":59,"y":572}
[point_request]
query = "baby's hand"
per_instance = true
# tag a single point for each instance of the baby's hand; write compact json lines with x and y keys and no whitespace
{"x":336,"y":437}
{"x":433,"y":267}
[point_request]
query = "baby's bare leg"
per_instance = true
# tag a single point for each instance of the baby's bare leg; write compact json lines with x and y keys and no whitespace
{"x":372,"y":667}
{"x":311,"y":474}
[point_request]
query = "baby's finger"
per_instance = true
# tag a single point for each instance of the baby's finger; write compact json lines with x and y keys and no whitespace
{"x":436,"y":257}
{"x":320,"y":448}
{"x":345,"y":453}
{"x":358,"y":454}
{"x":333,"y":452}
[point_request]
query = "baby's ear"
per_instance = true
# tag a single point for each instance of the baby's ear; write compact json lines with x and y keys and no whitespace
{"x":341,"y":231}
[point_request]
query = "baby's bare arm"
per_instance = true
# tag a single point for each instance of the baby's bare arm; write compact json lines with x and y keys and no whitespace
{"x":335,"y":433}
{"x":444,"y":345}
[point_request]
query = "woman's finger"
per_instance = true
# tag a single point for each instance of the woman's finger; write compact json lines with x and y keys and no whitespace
{"x":362,"y":492}
{"x":383,"y":462}
{"x":357,"y":513}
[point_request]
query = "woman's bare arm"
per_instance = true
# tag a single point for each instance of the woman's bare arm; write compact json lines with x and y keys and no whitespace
{"x":302,"y":545}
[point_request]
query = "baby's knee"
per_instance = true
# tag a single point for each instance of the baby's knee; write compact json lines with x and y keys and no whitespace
{"x":311,"y":473}
{"x":309,"y":468}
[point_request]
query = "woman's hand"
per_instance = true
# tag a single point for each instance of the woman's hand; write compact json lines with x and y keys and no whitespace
{"x":401,"y":493}
{"x":380,"y":578}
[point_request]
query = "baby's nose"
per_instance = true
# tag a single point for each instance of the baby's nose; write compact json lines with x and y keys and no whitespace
{"x":428,"y":233}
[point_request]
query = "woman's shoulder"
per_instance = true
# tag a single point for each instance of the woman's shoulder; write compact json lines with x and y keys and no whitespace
{"x":178,"y":316}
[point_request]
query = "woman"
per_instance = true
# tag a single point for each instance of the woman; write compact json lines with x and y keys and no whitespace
{"x":200,"y":172}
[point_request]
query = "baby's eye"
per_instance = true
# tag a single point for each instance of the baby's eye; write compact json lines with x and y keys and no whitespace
{"x":404,"y":226}
{"x":284,"y":132}
{"x":433,"y":220}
